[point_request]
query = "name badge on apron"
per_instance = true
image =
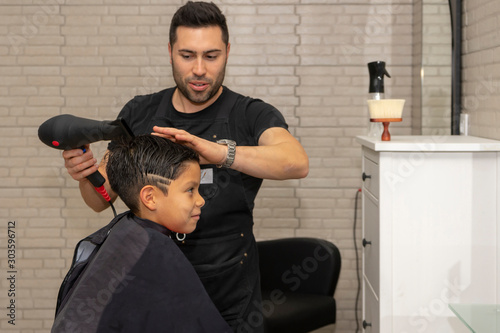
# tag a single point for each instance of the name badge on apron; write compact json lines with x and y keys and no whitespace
{"x":207,"y":176}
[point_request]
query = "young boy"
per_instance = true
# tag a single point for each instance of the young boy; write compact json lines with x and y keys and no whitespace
{"x":130,"y":276}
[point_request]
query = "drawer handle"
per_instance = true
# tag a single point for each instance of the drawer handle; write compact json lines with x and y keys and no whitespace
{"x":365,"y":324}
{"x":365,"y":242}
{"x":365,"y":176}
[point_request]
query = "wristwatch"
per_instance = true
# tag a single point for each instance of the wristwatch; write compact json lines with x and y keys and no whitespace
{"x":231,"y":152}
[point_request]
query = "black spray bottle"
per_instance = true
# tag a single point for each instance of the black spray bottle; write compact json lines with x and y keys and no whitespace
{"x":377,"y":71}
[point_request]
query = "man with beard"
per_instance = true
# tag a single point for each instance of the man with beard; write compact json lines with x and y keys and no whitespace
{"x":240,"y":141}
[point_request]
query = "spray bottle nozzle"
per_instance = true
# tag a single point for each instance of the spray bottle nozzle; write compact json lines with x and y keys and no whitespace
{"x":377,"y":71}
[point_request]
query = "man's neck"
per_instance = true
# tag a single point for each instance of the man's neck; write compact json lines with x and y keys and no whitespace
{"x":184,"y":105}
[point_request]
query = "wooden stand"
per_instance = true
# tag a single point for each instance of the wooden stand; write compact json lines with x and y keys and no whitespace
{"x":386,"y":136}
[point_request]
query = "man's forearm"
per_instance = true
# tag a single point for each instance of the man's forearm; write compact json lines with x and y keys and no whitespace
{"x":278,"y":156}
{"x":278,"y":162}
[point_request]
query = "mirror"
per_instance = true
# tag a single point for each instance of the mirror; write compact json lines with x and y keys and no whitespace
{"x":456,"y":64}
{"x":435,"y":71}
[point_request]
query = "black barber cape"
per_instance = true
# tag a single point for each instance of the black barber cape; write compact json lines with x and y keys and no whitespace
{"x":130,"y":277}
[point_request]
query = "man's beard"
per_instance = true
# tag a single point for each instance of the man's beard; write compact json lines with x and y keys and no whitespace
{"x":202,"y":96}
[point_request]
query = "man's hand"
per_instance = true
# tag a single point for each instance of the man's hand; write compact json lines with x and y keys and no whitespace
{"x":79,"y":166}
{"x":78,"y":163}
{"x":210,"y":152}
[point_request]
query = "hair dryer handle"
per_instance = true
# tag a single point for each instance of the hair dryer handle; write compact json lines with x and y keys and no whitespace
{"x":96,"y":179}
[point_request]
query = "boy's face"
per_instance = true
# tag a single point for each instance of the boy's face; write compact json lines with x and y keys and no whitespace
{"x":179,"y":210}
{"x":198,"y":59}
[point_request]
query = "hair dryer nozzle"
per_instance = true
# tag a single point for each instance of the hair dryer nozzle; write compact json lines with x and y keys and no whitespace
{"x":68,"y":132}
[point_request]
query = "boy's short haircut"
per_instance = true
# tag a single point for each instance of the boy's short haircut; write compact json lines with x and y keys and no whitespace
{"x":198,"y":14}
{"x":145,"y":160}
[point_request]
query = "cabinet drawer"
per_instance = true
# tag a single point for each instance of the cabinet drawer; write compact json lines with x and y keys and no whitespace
{"x":371,"y":234}
{"x":371,"y":176}
{"x":371,"y":308}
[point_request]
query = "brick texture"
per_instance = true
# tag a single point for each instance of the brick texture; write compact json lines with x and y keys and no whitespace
{"x":307,"y":57}
{"x":481,"y":67}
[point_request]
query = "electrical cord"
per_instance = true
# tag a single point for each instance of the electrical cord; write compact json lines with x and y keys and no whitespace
{"x":357,"y":260}
{"x":102,"y":191}
{"x":113,"y":208}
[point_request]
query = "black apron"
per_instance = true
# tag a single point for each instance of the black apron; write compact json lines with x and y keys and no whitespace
{"x":222,"y":249}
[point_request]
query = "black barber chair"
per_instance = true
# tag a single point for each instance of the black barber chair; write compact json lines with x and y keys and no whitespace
{"x":298,"y":280}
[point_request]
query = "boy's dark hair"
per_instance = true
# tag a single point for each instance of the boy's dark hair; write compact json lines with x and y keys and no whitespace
{"x":198,"y":15}
{"x":145,"y":160}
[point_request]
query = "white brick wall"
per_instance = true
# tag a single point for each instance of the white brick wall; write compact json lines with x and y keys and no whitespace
{"x":307,"y":57}
{"x":481,"y":73}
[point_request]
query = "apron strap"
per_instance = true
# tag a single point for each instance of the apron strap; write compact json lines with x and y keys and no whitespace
{"x":165,"y":100}
{"x":228,"y":103}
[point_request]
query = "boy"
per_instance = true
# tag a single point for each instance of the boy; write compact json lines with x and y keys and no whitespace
{"x":130,"y":276}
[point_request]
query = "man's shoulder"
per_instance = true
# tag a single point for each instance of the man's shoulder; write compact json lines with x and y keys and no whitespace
{"x":245,"y":102}
{"x":152,"y":99}
{"x":139,"y":110}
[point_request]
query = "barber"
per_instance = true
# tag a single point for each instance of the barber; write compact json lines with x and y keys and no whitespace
{"x":240,"y":140}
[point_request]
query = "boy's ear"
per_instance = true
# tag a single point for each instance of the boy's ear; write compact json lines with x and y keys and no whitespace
{"x":148,"y":197}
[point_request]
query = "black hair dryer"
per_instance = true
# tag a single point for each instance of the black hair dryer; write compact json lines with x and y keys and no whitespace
{"x":66,"y":132}
{"x":377,"y":71}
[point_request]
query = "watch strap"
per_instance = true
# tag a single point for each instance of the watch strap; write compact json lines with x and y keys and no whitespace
{"x":231,"y":152}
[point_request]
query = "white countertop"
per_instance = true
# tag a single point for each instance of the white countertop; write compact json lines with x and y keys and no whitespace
{"x":430,"y":143}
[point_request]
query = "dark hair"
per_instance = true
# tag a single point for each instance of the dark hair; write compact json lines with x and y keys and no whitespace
{"x":145,"y":160}
{"x":198,"y":15}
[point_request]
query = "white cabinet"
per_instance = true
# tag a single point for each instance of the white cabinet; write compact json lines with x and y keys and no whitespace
{"x":430,"y":230}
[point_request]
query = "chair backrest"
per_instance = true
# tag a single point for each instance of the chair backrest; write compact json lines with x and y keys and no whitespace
{"x":305,"y":265}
